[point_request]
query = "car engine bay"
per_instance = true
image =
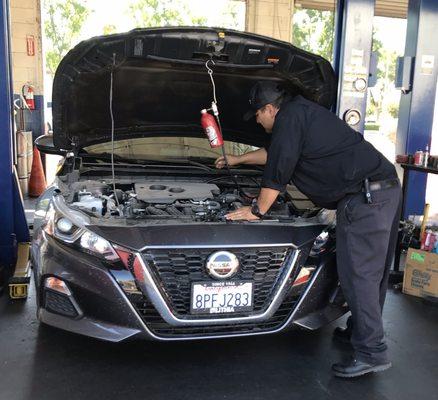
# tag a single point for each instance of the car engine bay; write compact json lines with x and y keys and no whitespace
{"x":169,"y":199}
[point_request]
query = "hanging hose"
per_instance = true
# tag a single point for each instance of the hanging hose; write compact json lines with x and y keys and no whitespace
{"x":215,"y":110}
{"x":112,"y":129}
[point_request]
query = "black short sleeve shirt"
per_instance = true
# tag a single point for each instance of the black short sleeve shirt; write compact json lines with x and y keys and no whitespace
{"x":320,"y":154}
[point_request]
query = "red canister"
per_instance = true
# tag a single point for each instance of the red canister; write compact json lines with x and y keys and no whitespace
{"x":418,"y":158}
{"x":428,"y":240}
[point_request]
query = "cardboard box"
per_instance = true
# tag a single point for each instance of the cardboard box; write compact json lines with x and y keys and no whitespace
{"x":421,"y":274}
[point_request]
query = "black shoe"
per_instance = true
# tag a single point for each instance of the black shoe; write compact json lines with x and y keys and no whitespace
{"x":342,"y":335}
{"x":358,"y":368}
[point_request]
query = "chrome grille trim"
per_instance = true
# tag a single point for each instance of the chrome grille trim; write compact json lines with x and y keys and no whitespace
{"x":176,"y":270}
{"x":149,"y":287}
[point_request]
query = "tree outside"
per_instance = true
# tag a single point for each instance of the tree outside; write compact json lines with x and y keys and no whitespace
{"x":313,"y":30}
{"x":109,"y":29}
{"x":150,"y":13}
{"x":66,"y":22}
{"x":383,"y":99}
{"x":62,"y":25}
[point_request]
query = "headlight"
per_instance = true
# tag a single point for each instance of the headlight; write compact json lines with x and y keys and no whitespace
{"x":69,"y":226}
{"x":61,"y":227}
{"x":98,"y":245}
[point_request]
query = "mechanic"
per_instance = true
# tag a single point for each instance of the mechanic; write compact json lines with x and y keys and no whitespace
{"x":337,"y":169}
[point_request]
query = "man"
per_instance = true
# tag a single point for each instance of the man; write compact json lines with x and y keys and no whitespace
{"x":337,"y":169}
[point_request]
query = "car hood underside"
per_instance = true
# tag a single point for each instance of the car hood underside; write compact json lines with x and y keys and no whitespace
{"x":160,"y":83}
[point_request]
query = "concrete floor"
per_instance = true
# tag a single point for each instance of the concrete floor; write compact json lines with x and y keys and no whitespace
{"x":43,"y":363}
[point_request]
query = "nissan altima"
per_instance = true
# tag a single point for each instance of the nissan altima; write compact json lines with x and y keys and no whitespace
{"x":131,"y":240}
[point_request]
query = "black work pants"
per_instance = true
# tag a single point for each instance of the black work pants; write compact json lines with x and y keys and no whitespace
{"x":366,"y":236}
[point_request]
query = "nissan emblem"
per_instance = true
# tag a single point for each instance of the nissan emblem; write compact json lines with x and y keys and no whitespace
{"x":222,"y":264}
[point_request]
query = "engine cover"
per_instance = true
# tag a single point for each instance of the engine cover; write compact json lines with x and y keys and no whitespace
{"x":167,"y":192}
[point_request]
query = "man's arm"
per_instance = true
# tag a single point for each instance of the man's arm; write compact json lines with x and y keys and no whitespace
{"x":266,"y":198}
{"x":256,"y":157}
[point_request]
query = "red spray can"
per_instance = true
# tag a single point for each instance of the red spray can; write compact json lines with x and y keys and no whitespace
{"x":418,"y":158}
{"x":211,"y":129}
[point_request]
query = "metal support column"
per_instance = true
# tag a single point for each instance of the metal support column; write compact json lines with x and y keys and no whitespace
{"x":13,"y":225}
{"x":353,"y":39}
{"x":418,"y":97}
{"x":6,"y":199}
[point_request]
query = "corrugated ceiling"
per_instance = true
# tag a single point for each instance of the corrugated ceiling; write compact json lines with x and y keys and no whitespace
{"x":384,"y":8}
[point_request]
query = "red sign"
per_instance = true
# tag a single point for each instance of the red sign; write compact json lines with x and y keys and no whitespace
{"x":30,"y":44}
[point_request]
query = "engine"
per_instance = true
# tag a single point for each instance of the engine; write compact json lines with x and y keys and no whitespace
{"x":163,"y":200}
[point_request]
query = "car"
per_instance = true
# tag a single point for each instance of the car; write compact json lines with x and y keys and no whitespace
{"x":131,"y":240}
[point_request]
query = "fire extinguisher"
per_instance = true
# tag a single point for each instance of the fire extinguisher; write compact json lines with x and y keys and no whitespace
{"x":28,"y":94}
{"x":211,"y":128}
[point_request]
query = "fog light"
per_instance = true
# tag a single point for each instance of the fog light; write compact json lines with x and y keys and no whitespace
{"x":57,"y":285}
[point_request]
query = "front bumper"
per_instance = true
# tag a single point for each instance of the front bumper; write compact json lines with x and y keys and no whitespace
{"x":111,"y":306}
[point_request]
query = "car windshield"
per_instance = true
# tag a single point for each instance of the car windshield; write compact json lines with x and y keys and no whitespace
{"x":162,"y":148}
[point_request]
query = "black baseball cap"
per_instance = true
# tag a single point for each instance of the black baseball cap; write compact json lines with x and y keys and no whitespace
{"x":262,"y":93}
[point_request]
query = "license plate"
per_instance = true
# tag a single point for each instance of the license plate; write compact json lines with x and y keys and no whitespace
{"x":221,"y":297}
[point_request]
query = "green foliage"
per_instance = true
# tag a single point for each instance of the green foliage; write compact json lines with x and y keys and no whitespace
{"x":313,"y":30}
{"x":109,"y":29}
{"x":392,"y":109}
{"x":385,"y":78}
{"x":64,"y":21}
{"x":150,"y":13}
{"x":230,"y":17}
{"x":386,"y":60}
{"x":371,"y":106}
{"x":372,"y":127}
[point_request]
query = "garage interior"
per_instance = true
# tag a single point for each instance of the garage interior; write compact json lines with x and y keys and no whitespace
{"x":41,"y":362}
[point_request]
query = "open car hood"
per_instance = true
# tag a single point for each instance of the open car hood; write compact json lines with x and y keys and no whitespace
{"x":160,"y":83}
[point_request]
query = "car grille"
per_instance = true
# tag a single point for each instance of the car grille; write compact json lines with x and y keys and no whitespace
{"x":161,"y":328}
{"x":174,"y":271}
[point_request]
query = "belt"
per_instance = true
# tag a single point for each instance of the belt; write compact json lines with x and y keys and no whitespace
{"x":380,"y":185}
{"x":369,"y":187}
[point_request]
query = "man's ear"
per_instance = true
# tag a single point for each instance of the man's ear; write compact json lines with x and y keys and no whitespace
{"x":272,"y":110}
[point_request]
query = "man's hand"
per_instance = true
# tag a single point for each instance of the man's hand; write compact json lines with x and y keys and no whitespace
{"x":266,"y":199}
{"x":232,"y":160}
{"x":243,"y":213}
